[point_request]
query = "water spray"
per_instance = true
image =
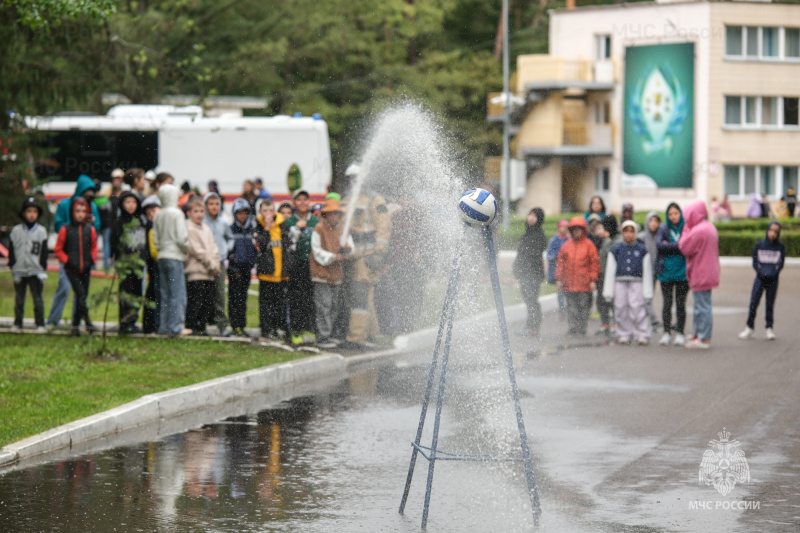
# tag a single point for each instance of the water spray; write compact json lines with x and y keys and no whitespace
{"x":478,"y":208}
{"x":357,"y":176}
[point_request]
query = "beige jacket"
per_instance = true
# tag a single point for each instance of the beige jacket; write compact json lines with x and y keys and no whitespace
{"x":202,"y":259}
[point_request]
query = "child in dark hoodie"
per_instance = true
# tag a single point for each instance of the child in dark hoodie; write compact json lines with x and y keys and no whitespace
{"x":768,"y":257}
{"x":76,"y":248}
{"x":129,"y":241}
{"x":529,"y":269}
{"x":242,"y":259}
{"x":648,"y":237}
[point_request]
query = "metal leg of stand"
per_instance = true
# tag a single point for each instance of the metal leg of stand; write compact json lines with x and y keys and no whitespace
{"x":447,"y":310}
{"x":523,"y":437}
{"x":440,"y":398}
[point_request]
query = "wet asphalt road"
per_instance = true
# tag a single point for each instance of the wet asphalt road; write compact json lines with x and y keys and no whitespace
{"x":617,"y":435}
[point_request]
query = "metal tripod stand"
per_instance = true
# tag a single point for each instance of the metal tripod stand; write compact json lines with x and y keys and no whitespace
{"x":432,"y":453}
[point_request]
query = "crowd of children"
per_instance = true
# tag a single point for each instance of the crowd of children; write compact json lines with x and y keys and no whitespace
{"x":621,"y":264}
{"x":198,"y":266}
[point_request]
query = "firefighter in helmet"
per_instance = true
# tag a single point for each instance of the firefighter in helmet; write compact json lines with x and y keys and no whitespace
{"x":370,"y":228}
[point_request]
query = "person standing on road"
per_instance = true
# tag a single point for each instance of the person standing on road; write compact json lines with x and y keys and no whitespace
{"x":768,"y":257}
{"x":577,"y":273}
{"x":699,"y":244}
{"x":629,"y":284}
{"x":648,"y":237}
{"x":172,"y":242}
{"x":27,"y":259}
{"x":529,"y":269}
{"x":224,"y":240}
{"x":671,"y":270}
{"x":553,"y":247}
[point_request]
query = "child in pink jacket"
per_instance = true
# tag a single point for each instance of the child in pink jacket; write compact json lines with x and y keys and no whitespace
{"x":699,"y":243}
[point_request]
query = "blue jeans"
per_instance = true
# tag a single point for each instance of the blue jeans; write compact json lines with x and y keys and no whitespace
{"x":703,"y":321}
{"x":172,"y":286}
{"x":60,"y":298}
{"x":106,"y":247}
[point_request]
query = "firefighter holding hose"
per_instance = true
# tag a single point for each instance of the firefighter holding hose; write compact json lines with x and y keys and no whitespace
{"x":368,"y":222}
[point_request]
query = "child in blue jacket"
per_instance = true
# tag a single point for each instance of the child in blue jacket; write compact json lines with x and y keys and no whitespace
{"x":768,"y":257}
{"x":242,"y":259}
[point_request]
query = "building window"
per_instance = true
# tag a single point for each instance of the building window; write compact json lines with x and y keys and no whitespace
{"x":790,"y":179}
{"x":733,"y":110}
{"x":733,"y":40}
{"x":791,"y":43}
{"x":751,"y":41}
{"x":750,"y":111}
{"x":762,"y":43}
{"x":732,"y":184}
{"x":741,"y":181}
{"x":601,"y":179}
{"x":790,"y":111}
{"x":602,"y":45}
{"x":602,"y":112}
{"x":769,"y":42}
{"x":769,"y":111}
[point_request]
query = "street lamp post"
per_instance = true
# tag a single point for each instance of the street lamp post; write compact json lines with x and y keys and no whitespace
{"x":506,"y":174}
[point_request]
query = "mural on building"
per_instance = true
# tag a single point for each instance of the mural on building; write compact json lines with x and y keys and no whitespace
{"x":658,"y":132}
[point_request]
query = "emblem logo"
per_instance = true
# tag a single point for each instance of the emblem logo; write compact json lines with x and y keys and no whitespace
{"x":724,"y":465}
{"x":658,"y":108}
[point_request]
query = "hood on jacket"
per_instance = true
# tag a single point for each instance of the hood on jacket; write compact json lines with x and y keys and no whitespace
{"x":168,"y":195}
{"x":766,"y":233}
{"x":277,"y":222}
{"x":75,"y":201}
{"x":610,"y":225}
{"x":625,"y":207}
{"x":124,"y":214}
{"x":647,"y":218}
{"x":578,"y":222}
{"x":210,"y":195}
{"x":695,"y":213}
{"x":681,"y":222}
{"x":240,"y":204}
{"x":539,"y":212}
{"x":84,"y":183}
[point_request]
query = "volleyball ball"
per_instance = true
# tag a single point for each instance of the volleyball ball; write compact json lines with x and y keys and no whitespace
{"x":477,"y":207}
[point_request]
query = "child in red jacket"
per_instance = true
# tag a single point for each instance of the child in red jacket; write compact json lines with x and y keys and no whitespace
{"x":76,"y":248}
{"x":577,"y":271}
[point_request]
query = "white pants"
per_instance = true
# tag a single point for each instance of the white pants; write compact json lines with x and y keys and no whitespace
{"x":629,"y":311}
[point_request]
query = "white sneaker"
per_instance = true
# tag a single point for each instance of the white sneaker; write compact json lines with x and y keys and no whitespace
{"x":680,"y":340}
{"x":770,"y":334}
{"x":16,"y":329}
{"x":747,"y":333}
{"x":642,"y":342}
{"x":41,"y":329}
{"x":665,"y":340}
{"x":697,"y":344}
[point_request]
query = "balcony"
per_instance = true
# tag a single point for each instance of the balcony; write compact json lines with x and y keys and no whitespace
{"x":582,"y":139}
{"x":538,"y":72}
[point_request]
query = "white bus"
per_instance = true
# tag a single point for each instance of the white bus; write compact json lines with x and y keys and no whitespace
{"x":281,"y":150}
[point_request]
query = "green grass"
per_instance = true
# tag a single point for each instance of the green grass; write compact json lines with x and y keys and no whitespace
{"x":47,"y":381}
{"x":96,"y":286}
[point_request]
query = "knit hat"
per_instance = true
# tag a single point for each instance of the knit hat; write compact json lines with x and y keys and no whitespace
{"x":563,"y":222}
{"x":630,"y":224}
{"x":30,"y":202}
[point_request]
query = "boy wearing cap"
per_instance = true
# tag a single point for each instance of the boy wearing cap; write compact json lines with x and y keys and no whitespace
{"x":577,"y":272}
{"x":27,"y":259}
{"x":327,"y":272}
{"x":629,"y":284}
{"x":301,"y":296}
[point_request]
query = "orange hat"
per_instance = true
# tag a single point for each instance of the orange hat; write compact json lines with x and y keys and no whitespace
{"x":331,"y":205}
{"x":577,"y":222}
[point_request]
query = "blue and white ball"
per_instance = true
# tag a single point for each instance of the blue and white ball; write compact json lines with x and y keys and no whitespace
{"x":477,"y":207}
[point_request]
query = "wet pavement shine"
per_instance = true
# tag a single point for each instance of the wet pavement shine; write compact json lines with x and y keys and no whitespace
{"x":618,"y":435}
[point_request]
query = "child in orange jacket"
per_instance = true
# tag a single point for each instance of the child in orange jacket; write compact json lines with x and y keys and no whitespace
{"x":76,"y":248}
{"x":577,"y":272}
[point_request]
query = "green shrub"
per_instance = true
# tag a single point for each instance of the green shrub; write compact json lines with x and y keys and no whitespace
{"x":741,"y":242}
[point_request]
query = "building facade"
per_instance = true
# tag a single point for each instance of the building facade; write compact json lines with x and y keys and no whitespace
{"x":656,"y":102}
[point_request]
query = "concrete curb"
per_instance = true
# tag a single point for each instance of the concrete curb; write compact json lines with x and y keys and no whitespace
{"x":170,"y":404}
{"x":109,"y":427}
